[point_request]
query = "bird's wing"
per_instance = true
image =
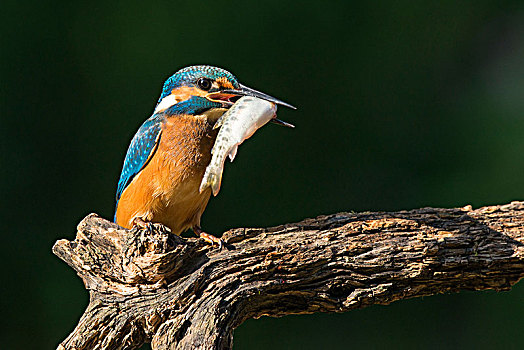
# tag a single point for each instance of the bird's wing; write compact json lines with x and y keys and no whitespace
{"x":140,"y":151}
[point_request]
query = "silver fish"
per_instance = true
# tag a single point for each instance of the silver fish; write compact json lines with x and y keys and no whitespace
{"x":241,"y":121}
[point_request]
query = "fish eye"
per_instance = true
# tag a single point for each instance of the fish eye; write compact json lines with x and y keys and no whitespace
{"x":204,"y":84}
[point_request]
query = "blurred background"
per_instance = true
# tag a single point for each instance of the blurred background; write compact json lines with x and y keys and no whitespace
{"x":400,"y":105}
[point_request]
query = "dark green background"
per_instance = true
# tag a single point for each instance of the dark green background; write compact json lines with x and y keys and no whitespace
{"x":401,"y":105}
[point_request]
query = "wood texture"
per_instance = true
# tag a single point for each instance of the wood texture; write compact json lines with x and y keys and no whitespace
{"x":152,"y":286}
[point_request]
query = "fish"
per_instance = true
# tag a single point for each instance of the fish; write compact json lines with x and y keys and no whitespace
{"x":239,"y":123}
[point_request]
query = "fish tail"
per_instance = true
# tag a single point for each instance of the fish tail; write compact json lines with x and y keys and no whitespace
{"x":212,"y":178}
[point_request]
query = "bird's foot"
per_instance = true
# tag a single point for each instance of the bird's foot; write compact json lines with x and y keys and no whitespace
{"x":208,"y":238}
{"x":141,"y":224}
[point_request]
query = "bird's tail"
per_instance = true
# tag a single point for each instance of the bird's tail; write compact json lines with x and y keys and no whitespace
{"x":212,"y":178}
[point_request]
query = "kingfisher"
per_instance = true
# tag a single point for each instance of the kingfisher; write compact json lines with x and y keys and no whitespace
{"x":167,"y":157}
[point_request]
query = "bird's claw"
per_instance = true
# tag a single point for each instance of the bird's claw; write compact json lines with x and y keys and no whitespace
{"x":208,"y":237}
{"x":212,"y":240}
{"x":141,"y":224}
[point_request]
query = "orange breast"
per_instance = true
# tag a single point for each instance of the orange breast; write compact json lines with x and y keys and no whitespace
{"x":167,"y":189}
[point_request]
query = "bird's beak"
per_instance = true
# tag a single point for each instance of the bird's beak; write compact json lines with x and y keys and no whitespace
{"x":226,"y":96}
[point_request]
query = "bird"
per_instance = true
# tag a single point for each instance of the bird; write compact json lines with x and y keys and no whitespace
{"x":168,"y":155}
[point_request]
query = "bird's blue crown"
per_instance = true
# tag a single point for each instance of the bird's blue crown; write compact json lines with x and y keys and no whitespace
{"x":189,"y":75}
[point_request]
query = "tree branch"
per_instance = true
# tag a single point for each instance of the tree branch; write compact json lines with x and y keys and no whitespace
{"x":180,"y":293}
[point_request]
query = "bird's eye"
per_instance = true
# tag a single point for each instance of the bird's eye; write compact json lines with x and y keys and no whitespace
{"x":204,"y":84}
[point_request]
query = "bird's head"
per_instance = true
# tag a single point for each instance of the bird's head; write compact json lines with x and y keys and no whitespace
{"x":195,"y":89}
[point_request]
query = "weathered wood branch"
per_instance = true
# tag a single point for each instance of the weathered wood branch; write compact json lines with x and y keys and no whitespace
{"x":180,"y":293}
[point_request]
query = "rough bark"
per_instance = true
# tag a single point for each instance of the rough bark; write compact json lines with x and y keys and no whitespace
{"x":180,"y":293}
